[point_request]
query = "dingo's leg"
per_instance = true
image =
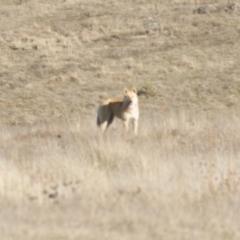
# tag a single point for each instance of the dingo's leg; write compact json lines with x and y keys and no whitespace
{"x":125,"y":123}
{"x":135,"y":125}
{"x":103,"y":126}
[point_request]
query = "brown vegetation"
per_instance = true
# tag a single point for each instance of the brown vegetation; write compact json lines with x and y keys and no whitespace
{"x":59,"y":179}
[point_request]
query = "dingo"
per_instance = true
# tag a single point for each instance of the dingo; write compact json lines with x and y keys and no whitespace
{"x":125,"y":109}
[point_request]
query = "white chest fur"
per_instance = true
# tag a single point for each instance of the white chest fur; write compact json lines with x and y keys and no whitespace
{"x":132,"y":111}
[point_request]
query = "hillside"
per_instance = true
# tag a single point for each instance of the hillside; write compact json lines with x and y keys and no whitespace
{"x":60,"y":58}
{"x":60,"y":179}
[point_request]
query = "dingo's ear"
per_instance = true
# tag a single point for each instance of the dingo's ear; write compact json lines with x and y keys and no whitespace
{"x":134,"y":90}
{"x":125,"y":91}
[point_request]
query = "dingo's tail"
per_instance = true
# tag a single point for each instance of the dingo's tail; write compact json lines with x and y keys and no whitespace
{"x":110,"y":120}
{"x":98,"y":121}
{"x":104,"y":118}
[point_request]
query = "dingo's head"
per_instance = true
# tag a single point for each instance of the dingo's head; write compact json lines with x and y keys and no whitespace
{"x":130,"y":96}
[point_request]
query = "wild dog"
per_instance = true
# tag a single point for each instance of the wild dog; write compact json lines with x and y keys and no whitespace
{"x":126,"y":109}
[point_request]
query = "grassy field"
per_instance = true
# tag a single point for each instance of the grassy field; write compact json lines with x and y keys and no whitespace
{"x":60,"y":179}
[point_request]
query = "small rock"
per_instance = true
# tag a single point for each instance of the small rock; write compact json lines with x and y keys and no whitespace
{"x":234,"y":6}
{"x":205,"y":9}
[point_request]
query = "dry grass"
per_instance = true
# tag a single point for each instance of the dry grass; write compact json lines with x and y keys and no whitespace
{"x":59,"y":179}
{"x":179,"y":179}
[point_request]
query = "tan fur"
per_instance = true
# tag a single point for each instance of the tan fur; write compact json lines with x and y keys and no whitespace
{"x":125,"y":109}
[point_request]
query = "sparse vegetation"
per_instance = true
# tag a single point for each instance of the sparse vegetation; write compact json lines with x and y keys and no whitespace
{"x":60,"y":179}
